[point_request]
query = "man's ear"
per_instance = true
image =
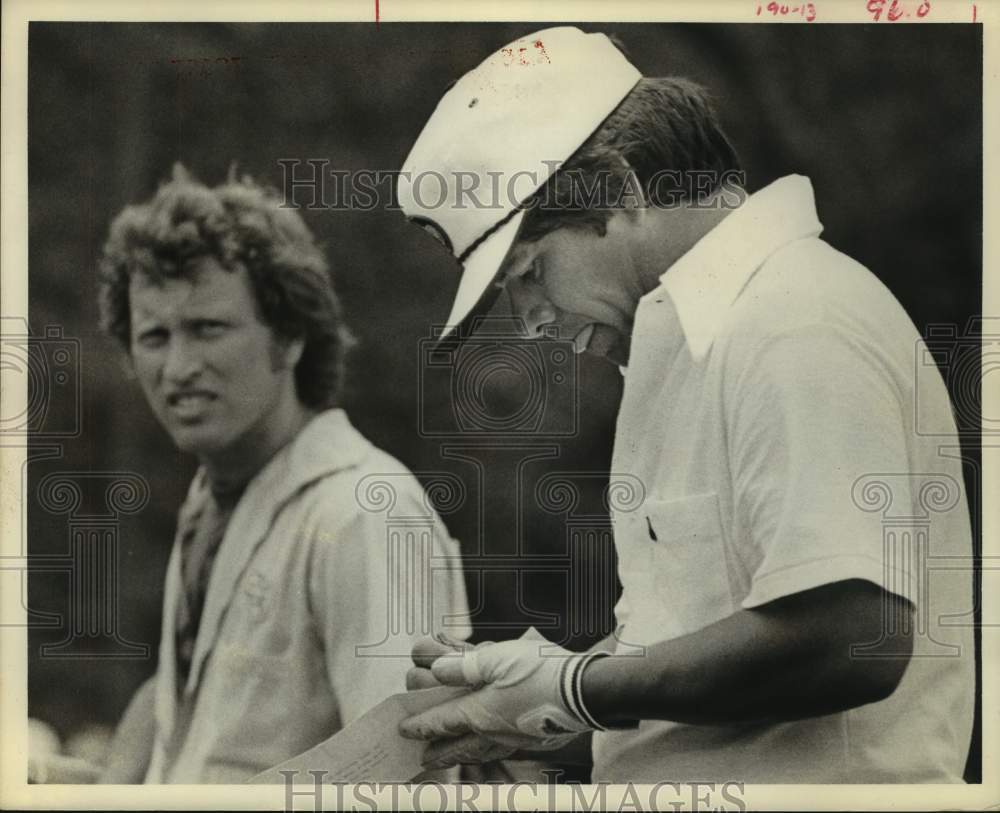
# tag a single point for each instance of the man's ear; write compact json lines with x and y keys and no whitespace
{"x":631,"y":207}
{"x":286,"y":352}
{"x":518,"y":258}
{"x":292,"y":352}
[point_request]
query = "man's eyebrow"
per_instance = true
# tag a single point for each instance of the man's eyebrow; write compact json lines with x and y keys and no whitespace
{"x":196,"y":319}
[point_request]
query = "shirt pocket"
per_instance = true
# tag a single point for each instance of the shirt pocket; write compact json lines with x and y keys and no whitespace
{"x":688,"y":563}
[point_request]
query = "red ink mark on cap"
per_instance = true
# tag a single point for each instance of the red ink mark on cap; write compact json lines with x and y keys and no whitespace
{"x":525,"y":56}
{"x":510,"y":58}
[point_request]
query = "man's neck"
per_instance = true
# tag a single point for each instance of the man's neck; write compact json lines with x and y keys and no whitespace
{"x":669,"y":233}
{"x":233,"y":468}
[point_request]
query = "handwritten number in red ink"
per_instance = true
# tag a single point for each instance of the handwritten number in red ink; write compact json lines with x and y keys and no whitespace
{"x":899,"y":9}
{"x":806,"y":10}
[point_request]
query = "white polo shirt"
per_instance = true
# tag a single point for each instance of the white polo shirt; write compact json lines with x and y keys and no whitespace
{"x":769,"y":411}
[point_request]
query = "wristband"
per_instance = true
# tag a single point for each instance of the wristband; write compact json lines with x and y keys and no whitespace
{"x":571,"y":687}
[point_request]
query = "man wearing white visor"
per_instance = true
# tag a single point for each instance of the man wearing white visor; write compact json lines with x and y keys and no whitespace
{"x":771,"y":629}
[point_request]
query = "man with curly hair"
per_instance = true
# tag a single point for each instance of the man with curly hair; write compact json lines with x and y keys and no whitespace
{"x":277,"y":614}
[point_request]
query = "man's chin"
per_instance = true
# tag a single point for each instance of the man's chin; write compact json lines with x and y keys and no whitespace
{"x":614,"y":358}
{"x":195,"y":440}
{"x":619,"y":354}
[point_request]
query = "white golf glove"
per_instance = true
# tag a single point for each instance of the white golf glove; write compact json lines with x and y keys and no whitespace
{"x":528,"y":696}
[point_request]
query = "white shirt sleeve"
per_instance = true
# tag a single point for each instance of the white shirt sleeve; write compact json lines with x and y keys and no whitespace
{"x":811,"y":411}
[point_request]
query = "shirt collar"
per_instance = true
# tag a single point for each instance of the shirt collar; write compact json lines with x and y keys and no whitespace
{"x":327,"y":444}
{"x":706,"y":280}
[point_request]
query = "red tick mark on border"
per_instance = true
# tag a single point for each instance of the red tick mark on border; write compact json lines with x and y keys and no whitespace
{"x":376,"y":13}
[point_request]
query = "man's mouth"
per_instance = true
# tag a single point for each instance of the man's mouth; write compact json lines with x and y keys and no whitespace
{"x":189,"y":404}
{"x":601,"y":340}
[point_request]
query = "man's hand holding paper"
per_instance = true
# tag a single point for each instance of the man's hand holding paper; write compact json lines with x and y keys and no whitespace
{"x":526,"y":697}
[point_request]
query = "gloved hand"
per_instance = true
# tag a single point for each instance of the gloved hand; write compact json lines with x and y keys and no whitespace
{"x":526,"y":699}
{"x":467,"y":749}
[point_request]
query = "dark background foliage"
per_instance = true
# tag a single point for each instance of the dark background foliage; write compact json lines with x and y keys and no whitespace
{"x":885,"y":120}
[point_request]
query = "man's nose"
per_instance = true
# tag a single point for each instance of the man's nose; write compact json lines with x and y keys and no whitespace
{"x":528,"y":301}
{"x":183,"y":361}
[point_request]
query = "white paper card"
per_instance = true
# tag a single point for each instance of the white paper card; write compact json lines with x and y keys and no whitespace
{"x":370,"y":749}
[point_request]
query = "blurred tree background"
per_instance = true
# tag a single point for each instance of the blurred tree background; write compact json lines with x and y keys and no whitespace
{"x":885,"y":120}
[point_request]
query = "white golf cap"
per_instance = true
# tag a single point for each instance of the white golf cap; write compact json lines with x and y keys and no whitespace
{"x":495,"y":138}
